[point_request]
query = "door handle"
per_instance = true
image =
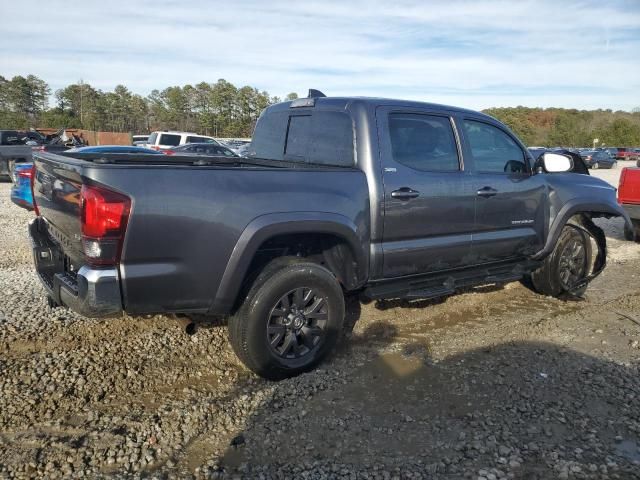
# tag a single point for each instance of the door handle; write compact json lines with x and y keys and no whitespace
{"x":405,"y":193}
{"x":487,"y":192}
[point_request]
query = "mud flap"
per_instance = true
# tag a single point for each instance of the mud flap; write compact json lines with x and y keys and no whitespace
{"x":597,"y":234}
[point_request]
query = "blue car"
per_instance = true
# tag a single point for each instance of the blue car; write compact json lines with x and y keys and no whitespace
{"x":21,"y":190}
{"x":114,"y":149}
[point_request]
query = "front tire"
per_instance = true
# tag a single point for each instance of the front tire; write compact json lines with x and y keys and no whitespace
{"x":634,"y":234}
{"x":567,"y":265}
{"x":290,"y":320}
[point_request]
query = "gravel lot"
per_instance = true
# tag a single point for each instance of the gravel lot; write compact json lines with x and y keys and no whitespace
{"x":497,"y":382}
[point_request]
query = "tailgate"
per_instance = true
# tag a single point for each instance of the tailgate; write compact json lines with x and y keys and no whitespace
{"x":629,"y":187}
{"x":78,"y":272}
{"x":56,"y":188}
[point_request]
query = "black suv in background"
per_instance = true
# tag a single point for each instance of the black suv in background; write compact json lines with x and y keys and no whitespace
{"x":12,"y":150}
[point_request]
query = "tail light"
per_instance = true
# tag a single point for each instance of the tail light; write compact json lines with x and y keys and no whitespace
{"x":168,"y":152}
{"x":103,"y":215}
{"x":621,"y":192}
{"x":32,"y":179}
{"x":26,"y":174}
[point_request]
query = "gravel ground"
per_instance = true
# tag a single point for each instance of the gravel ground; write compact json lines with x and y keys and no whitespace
{"x":497,"y":382}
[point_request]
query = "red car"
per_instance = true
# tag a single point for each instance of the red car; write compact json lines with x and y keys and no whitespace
{"x":627,"y":154}
{"x":629,"y":196}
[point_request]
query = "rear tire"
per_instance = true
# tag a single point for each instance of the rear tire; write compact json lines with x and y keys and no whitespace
{"x":290,"y":320}
{"x":568,"y":263}
{"x":595,"y":166}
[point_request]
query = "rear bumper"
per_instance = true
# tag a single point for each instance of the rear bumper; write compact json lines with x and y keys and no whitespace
{"x":632,"y":210}
{"x":22,"y":197}
{"x":89,"y":292}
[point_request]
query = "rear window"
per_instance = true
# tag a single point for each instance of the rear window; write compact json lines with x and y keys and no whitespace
{"x":200,"y":140}
{"x":168,"y":139}
{"x":319,"y":137}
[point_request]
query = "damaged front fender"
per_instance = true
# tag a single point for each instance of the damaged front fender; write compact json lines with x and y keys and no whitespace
{"x":585,"y":209}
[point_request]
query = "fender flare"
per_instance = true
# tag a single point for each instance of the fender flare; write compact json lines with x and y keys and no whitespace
{"x":571,"y":208}
{"x":267,"y":226}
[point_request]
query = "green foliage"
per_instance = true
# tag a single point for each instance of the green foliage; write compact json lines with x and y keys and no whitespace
{"x":570,"y":127}
{"x":621,"y":132}
{"x":22,"y":100}
{"x":221,"y":109}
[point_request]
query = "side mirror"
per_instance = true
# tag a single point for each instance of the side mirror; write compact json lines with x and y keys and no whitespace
{"x":556,"y":163}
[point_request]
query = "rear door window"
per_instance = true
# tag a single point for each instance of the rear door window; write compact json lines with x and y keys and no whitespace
{"x":169,"y":139}
{"x":423,"y":142}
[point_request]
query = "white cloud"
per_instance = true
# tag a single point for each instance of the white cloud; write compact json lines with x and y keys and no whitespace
{"x":473,"y":54}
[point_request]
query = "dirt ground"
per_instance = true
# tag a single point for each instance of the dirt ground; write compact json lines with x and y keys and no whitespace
{"x":496,"y":382}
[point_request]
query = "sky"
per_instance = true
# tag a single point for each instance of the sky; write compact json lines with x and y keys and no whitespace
{"x":473,"y":54}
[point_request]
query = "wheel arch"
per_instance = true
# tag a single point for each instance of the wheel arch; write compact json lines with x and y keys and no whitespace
{"x":578,"y":209}
{"x":346,"y":254}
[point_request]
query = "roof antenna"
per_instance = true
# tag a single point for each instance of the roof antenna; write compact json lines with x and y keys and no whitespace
{"x":313,"y":93}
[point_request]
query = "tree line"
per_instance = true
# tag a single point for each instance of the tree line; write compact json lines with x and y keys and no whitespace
{"x":221,"y":109}
{"x":571,"y":128}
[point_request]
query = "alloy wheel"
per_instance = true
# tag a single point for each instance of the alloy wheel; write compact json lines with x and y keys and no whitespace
{"x":297,"y":323}
{"x":572,"y":265}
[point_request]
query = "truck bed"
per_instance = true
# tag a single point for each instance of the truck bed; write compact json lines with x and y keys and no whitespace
{"x":186,"y":215}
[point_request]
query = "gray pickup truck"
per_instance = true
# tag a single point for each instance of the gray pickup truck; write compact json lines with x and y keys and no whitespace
{"x":384,"y":198}
{"x":12,"y":151}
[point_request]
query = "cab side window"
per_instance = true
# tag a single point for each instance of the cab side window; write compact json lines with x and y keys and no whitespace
{"x":493,"y":150}
{"x":423,"y":142}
